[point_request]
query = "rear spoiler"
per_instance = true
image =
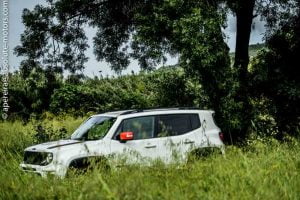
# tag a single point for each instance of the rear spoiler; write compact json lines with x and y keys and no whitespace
{"x":211,"y":112}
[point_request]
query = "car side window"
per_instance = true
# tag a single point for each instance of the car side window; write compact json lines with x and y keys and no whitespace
{"x":176,"y":124}
{"x":142,"y":127}
{"x":195,"y":121}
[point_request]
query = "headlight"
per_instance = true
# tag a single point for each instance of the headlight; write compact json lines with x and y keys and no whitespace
{"x":48,"y":159}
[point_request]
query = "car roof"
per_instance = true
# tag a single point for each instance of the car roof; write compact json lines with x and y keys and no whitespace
{"x":152,"y":111}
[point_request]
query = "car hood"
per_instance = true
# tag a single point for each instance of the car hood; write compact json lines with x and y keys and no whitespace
{"x":51,"y":145}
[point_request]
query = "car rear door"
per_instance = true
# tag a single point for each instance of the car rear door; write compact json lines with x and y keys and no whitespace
{"x":178,"y":135}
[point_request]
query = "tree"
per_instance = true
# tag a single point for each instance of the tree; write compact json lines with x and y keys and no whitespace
{"x":147,"y":31}
{"x":61,"y":24}
{"x":190,"y":29}
{"x":48,"y":42}
{"x":274,"y":73}
{"x":245,"y":11}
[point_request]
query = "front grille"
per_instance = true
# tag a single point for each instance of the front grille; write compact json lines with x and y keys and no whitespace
{"x":35,"y":158}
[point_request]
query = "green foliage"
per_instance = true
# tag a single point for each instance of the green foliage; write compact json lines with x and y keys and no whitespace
{"x":274,"y":75}
{"x":46,"y":134}
{"x":253,"y":50}
{"x":168,"y":87}
{"x":150,"y":29}
{"x":68,"y":98}
{"x":263,"y":123}
{"x":31,"y":95}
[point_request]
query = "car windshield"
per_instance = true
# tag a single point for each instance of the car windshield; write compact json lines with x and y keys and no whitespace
{"x":94,"y":128}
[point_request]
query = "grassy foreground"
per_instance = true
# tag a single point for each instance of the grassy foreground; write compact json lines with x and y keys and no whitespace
{"x":261,"y":171}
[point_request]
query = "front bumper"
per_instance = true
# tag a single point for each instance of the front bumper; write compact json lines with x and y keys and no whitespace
{"x":42,"y":170}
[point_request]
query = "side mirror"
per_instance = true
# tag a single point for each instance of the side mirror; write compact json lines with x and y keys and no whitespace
{"x":124,"y":136}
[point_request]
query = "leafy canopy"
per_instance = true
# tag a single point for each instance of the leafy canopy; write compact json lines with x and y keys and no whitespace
{"x":144,"y":30}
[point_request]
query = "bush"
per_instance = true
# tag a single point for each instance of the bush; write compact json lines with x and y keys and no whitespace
{"x":168,"y":87}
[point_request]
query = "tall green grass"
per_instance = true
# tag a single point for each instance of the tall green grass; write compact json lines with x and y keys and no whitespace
{"x":268,"y":170}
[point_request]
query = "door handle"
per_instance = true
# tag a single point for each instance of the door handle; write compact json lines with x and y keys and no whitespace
{"x":150,"y":146}
{"x":188,"y":142}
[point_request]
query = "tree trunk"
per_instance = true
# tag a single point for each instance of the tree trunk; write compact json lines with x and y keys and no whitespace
{"x":244,"y":16}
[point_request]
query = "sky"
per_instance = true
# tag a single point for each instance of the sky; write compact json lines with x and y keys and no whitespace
{"x":93,"y":67}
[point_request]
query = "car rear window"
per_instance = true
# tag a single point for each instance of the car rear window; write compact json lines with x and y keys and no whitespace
{"x":176,"y":124}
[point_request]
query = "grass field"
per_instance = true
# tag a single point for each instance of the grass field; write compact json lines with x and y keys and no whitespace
{"x":269,"y":170}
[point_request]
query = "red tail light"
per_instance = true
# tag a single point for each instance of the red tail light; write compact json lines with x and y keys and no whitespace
{"x":221,"y":135}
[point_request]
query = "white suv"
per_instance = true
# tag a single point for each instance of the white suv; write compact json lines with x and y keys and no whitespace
{"x":137,"y":135}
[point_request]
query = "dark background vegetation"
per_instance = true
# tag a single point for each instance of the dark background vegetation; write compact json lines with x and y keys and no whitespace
{"x":253,"y":96}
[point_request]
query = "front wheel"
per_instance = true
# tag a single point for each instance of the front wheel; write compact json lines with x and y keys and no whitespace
{"x":83,"y":165}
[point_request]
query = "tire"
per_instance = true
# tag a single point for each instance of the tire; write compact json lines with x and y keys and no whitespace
{"x":203,"y":153}
{"x":83,"y":165}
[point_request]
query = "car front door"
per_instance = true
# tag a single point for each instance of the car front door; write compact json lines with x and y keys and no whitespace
{"x":143,"y":147}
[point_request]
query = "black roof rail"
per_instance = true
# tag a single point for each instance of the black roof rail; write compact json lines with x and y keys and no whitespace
{"x":189,"y":108}
{"x":158,"y":108}
{"x":131,"y":111}
{"x":116,"y":110}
